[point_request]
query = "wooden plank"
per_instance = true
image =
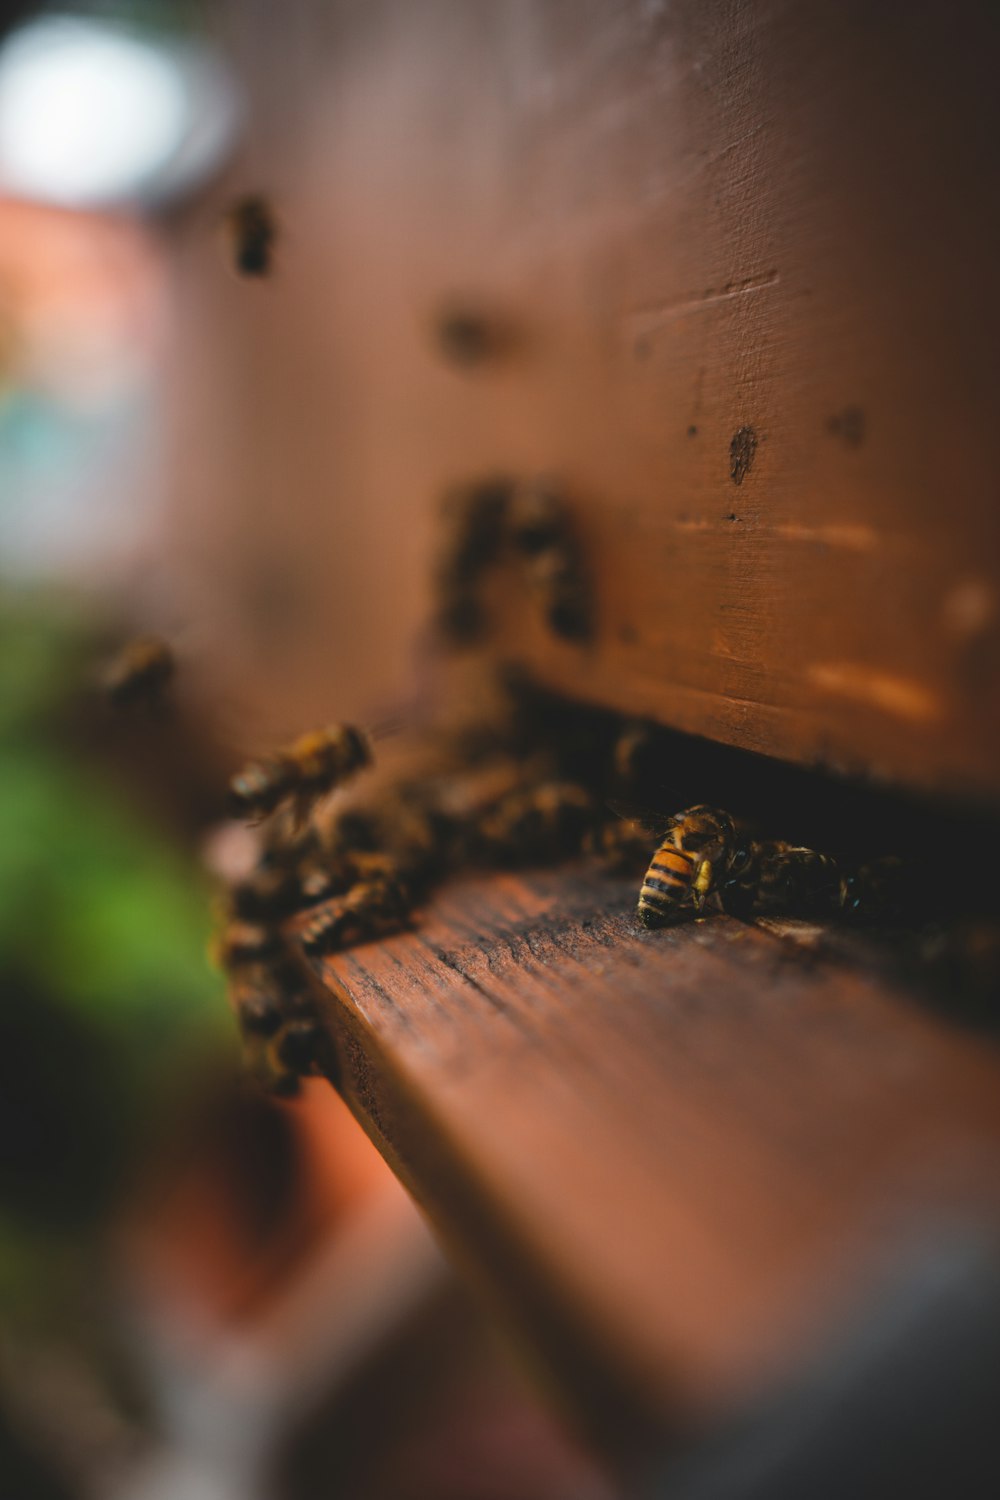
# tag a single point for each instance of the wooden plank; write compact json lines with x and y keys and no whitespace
{"x":710,"y":228}
{"x":674,"y":1157}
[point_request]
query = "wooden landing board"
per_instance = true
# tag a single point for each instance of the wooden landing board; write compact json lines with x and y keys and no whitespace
{"x":673,"y":1157}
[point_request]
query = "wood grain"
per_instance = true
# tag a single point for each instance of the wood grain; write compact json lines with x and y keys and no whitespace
{"x":673,"y":1158}
{"x":745,"y":254}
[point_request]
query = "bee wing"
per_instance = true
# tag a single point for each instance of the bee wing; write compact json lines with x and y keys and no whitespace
{"x":651,"y":822}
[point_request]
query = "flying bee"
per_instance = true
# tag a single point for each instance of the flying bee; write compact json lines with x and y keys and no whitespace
{"x":301,"y":773}
{"x":474,"y":532}
{"x":541,"y":534}
{"x":371,"y":909}
{"x":693,"y":859}
{"x":253,"y":230}
{"x":261,"y":787}
{"x":633,"y":752}
{"x":141,"y":673}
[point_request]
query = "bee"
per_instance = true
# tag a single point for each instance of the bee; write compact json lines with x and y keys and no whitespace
{"x":257,"y":1005}
{"x":546,"y":821}
{"x":474,"y":528}
{"x":542,"y":536}
{"x":302,"y":1047}
{"x":623,"y":843}
{"x":706,"y":856}
{"x":697,"y":853}
{"x":253,"y":230}
{"x":281,"y":1037}
{"x":633,"y":752}
{"x":879,"y":890}
{"x":141,"y":673}
{"x":244,"y":945}
{"x":312,"y":766}
{"x":373,"y":908}
{"x":268,"y":893}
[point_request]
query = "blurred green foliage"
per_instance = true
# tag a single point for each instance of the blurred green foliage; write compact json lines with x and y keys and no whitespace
{"x":108,"y":1001}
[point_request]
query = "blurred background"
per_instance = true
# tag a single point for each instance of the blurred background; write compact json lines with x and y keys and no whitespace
{"x":205,"y":1293}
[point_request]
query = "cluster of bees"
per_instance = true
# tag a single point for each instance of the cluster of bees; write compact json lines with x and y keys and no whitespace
{"x":500,"y":521}
{"x":332,"y":873}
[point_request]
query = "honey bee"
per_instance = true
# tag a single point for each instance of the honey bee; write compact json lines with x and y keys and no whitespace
{"x":256,"y":1004}
{"x":267,"y":894}
{"x":140,"y":673}
{"x":541,"y":534}
{"x":314,"y":765}
{"x":705,"y":856}
{"x":545,"y":821}
{"x":371,"y":909}
{"x":697,"y":852}
{"x":243,"y":945}
{"x":623,"y":843}
{"x":302,"y":1048}
{"x":632,"y":753}
{"x":774,"y":876}
{"x":474,"y":528}
{"x":276,"y":1017}
{"x":878,"y":890}
{"x":253,"y":230}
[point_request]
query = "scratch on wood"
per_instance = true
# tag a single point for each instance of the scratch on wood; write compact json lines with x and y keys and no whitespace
{"x":646,"y":320}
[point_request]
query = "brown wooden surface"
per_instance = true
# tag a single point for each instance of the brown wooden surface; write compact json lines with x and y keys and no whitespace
{"x":694,"y":219}
{"x":675,"y":1158}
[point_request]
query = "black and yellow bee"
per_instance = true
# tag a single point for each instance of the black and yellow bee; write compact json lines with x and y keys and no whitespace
{"x":546,"y":820}
{"x":377,"y":906}
{"x":543,"y":538}
{"x":695,"y":857}
{"x":141,"y":673}
{"x":301,"y":773}
{"x":473,"y":530}
{"x":707,"y":857}
{"x":253,"y":232}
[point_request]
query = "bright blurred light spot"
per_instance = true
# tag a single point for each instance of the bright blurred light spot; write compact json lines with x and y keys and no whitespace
{"x":91,"y":113}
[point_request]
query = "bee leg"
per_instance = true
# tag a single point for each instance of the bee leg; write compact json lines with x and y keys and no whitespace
{"x":702,"y":886}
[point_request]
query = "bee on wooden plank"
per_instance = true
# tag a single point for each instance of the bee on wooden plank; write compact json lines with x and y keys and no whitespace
{"x":696,"y":853}
{"x":706,"y":857}
{"x":302,"y":1048}
{"x":141,"y":673}
{"x":256,"y":1001}
{"x":242,"y":945}
{"x":549,"y":820}
{"x":267,"y":894}
{"x":372,"y":909}
{"x":314,"y":765}
{"x":252,"y":229}
{"x":541,"y":533}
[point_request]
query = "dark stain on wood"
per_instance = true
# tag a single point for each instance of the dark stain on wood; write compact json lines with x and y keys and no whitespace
{"x":742,"y":451}
{"x":850,"y":425}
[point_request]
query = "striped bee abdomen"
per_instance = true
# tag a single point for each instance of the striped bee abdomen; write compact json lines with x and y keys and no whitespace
{"x":668,"y":880}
